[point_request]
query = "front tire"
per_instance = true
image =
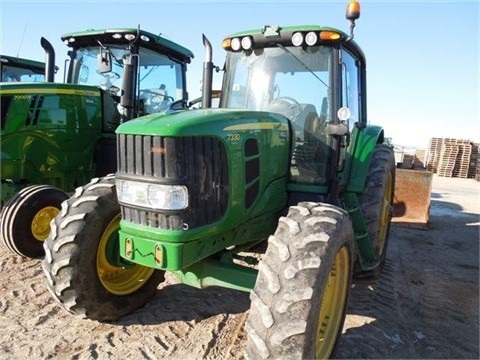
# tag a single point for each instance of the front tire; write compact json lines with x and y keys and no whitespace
{"x":26,"y":219}
{"x":84,"y":271}
{"x":299,"y":300}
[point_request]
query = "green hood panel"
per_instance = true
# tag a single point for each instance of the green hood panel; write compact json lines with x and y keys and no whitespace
{"x":201,"y":122}
{"x":27,"y":88}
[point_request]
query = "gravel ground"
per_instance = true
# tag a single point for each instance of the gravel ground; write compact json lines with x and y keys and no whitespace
{"x":424,"y":305}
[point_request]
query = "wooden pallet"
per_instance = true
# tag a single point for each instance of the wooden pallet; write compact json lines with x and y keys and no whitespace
{"x":449,"y":157}
{"x":434,"y":150}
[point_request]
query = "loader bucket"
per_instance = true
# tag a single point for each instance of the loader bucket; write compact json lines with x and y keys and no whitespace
{"x":411,"y":206}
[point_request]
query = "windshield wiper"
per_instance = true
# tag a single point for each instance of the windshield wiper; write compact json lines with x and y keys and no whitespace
{"x":302,"y":63}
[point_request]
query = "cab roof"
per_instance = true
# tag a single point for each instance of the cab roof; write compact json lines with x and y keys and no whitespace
{"x":270,"y":35}
{"x":118,"y":36}
{"x":23,"y":63}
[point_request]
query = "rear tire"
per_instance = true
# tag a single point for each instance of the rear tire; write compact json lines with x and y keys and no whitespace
{"x":376,"y":202}
{"x":82,"y":264}
{"x":25,"y":219}
{"x":300,"y":297}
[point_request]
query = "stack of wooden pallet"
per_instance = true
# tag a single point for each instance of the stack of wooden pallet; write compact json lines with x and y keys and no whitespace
{"x":448,"y":158}
{"x":452,"y":157}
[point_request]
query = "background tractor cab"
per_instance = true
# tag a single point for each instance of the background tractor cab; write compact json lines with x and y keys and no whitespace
{"x":63,"y":134}
{"x":140,"y":66}
{"x":287,"y":163}
{"x":15,"y":69}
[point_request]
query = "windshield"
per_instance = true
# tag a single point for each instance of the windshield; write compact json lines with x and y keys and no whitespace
{"x":291,"y":74}
{"x":294,"y":82}
{"x":160,"y":78}
{"x":12,"y":73}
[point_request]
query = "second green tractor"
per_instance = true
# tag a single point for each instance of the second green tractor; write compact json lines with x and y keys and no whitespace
{"x":57,"y":136}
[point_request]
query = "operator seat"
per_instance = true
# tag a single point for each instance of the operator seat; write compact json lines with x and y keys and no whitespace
{"x":310,"y":155}
{"x":311,"y":121}
{"x":314,"y":123}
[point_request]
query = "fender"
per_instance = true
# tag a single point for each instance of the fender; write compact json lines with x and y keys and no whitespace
{"x":365,"y":142}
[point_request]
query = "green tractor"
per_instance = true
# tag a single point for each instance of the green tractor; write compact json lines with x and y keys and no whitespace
{"x":57,"y":136}
{"x":284,"y":191}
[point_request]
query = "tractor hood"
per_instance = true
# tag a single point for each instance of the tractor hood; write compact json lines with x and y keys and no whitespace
{"x":26,"y":88}
{"x":205,"y":122}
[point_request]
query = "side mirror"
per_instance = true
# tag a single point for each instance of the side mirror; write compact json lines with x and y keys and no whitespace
{"x":104,"y":62}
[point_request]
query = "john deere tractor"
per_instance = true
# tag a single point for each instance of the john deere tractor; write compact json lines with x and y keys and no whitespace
{"x":57,"y":136}
{"x":285,"y":191}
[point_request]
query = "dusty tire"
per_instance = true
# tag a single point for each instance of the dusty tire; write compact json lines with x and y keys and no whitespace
{"x":376,"y":202}
{"x":25,"y":219}
{"x":78,"y":253}
{"x":301,"y":293}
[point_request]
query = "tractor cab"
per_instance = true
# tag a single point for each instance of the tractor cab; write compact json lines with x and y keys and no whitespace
{"x":144,"y":73}
{"x":15,"y":69}
{"x":309,"y":74}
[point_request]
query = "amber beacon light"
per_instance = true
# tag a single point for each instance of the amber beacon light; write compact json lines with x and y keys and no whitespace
{"x":352,"y":14}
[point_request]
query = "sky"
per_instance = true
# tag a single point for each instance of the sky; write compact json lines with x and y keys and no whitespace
{"x":423,"y":57}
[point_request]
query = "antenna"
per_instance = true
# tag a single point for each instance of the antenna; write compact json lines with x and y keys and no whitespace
{"x":21,"y":40}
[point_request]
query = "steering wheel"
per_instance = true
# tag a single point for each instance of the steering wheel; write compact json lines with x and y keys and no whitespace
{"x":286,"y":106}
{"x":155,"y":101}
{"x":156,"y":93}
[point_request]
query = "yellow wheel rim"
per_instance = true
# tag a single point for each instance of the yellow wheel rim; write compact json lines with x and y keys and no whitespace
{"x":40,"y":225}
{"x":333,"y":303}
{"x":118,"y":280}
{"x":385,"y":214}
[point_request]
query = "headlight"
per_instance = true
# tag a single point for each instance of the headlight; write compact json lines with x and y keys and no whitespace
{"x":247,"y":43}
{"x":236,"y":44}
{"x":311,"y":38}
{"x":153,"y":196}
{"x":297,"y":39}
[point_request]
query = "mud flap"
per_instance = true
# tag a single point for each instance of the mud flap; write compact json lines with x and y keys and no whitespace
{"x":412,"y":198}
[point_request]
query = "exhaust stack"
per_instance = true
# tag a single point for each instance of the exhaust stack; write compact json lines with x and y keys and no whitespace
{"x":207,"y":75}
{"x":49,"y":60}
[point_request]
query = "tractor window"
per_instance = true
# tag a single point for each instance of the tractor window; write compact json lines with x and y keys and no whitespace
{"x":85,"y":68}
{"x":161,"y":81}
{"x":296,"y":83}
{"x":160,"y":78}
{"x":22,"y":74}
{"x":259,"y":78}
{"x":350,"y":89}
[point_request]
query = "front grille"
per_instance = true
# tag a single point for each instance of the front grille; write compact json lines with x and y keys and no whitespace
{"x":200,"y":163}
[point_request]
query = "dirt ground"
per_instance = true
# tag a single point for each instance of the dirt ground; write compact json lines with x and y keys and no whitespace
{"x":424,"y":305}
